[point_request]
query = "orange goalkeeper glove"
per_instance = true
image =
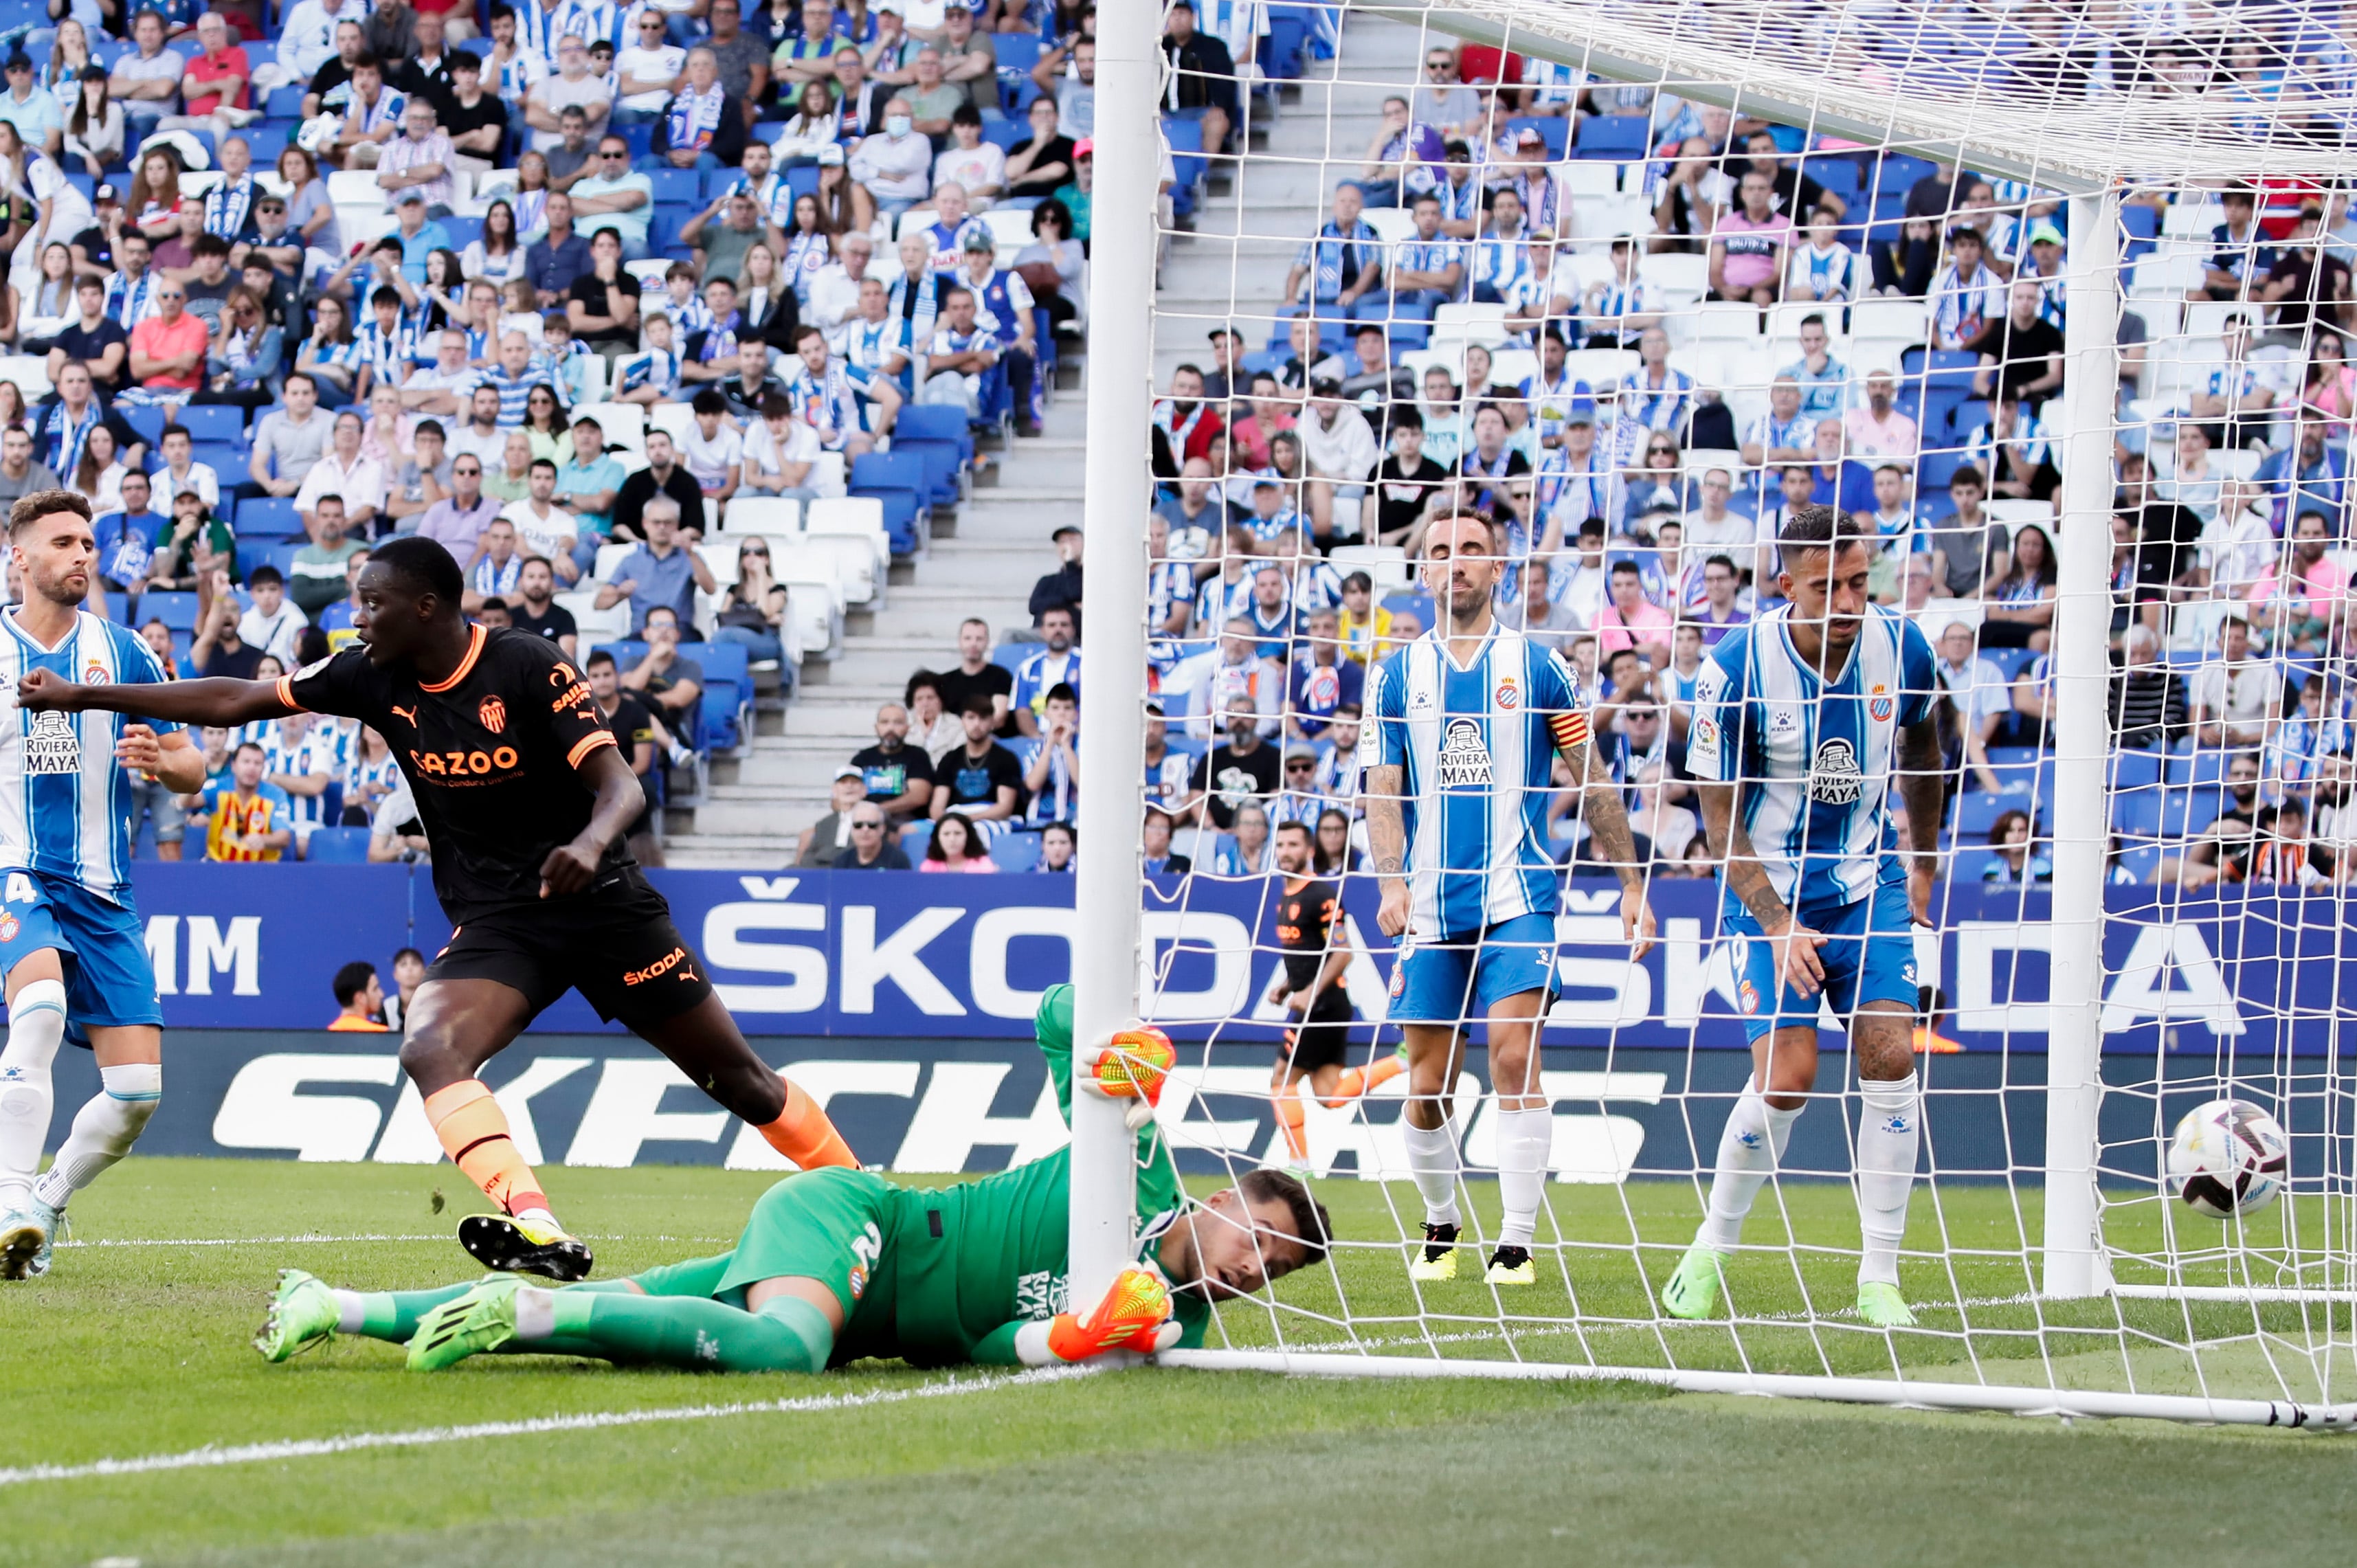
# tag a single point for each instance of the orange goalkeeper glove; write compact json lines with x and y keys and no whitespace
{"x":1132,"y":1315}
{"x":1134,"y":1066}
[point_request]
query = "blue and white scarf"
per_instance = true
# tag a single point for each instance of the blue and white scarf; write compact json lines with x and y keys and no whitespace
{"x":694,"y":117}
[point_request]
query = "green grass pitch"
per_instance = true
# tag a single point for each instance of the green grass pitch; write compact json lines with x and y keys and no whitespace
{"x":132,"y":1350}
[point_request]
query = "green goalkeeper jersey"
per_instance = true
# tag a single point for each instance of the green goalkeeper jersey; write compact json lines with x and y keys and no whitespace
{"x":959,"y":1269}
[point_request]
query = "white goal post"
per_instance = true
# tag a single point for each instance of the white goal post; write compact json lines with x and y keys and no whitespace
{"x":1828,"y":71}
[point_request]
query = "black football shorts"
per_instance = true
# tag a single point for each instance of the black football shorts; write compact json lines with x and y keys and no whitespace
{"x":614,"y":942}
{"x":1323,"y":1038}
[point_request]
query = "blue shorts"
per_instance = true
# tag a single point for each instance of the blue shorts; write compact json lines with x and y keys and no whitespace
{"x":103,"y":946}
{"x":1461,"y":979}
{"x":1869,"y":956}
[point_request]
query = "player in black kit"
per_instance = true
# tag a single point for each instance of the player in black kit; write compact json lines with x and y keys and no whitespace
{"x":526,"y":798}
{"x":1316,"y":950}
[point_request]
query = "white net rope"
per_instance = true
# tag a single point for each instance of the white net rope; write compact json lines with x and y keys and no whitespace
{"x":2084,"y":93}
{"x":1639,"y":332}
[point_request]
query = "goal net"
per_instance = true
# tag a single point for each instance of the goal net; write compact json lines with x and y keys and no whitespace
{"x":2049,"y":303}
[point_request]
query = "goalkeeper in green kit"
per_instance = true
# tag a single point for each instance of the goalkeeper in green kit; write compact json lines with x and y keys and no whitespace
{"x":837,"y":1264}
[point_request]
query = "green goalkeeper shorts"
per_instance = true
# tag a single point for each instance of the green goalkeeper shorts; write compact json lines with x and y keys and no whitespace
{"x":828,"y":1225}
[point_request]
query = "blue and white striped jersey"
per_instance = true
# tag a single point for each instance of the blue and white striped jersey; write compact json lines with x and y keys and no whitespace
{"x":1478,"y":747}
{"x":1813,"y":761}
{"x":65,"y":804}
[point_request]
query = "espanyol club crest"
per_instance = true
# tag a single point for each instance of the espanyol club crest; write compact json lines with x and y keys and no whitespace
{"x":1399,"y":976}
{"x":1323,"y":693}
{"x":1748,"y":995}
{"x":1879,"y":704}
{"x":9,"y":926}
{"x":859,"y":1281}
{"x":93,"y":673}
{"x":1507,"y":697}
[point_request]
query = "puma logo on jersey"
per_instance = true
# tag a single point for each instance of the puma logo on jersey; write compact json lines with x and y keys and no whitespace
{"x":408,"y":713}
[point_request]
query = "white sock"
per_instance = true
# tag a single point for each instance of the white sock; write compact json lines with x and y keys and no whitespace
{"x":1432,"y":1159}
{"x":1525,"y":1139}
{"x":1889,"y":1133}
{"x":535,"y":1313}
{"x":1750,"y":1147}
{"x":36,"y":1027}
{"x":537,"y":1217}
{"x":106,"y":1126}
{"x":351,"y":1314}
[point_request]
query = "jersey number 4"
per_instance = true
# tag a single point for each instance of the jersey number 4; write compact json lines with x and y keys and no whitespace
{"x":20,"y":890}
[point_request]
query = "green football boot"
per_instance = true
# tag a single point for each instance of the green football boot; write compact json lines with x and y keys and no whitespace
{"x":303,"y":1314}
{"x":482,"y":1319}
{"x":1883,"y":1307}
{"x":1693,"y":1291}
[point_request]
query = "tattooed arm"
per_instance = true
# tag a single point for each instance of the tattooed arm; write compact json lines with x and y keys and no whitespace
{"x":1387,"y":839}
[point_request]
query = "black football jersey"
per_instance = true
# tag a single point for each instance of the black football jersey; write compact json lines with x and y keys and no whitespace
{"x":490,"y":754}
{"x":1306,"y":914}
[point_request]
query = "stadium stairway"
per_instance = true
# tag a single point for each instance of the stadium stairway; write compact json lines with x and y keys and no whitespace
{"x":982,"y":564}
{"x":1250,"y":226}
{"x":985,"y":561}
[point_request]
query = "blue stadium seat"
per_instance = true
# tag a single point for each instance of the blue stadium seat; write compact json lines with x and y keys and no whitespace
{"x":933,"y":422}
{"x":1615,"y":136}
{"x":463,"y":232}
{"x":1016,"y":51}
{"x":338,"y":846}
{"x":1005,"y":134}
{"x":1007,"y":655}
{"x":1016,"y":852}
{"x":2137,"y":769}
{"x":722,"y":662}
{"x":268,"y":517}
{"x":900,"y":482}
{"x":226,"y":459}
{"x":719,"y":709}
{"x":118,"y":608}
{"x":148,"y":422}
{"x":677,"y":184}
{"x":176,"y":610}
{"x":214,"y":422}
{"x":284,"y":102}
{"x":917,"y":834}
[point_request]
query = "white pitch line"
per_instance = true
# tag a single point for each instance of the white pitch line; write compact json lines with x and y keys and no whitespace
{"x":212,"y":1457}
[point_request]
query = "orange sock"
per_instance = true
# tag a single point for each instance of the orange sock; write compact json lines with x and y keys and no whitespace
{"x":1354,"y":1082}
{"x":803,"y":1134}
{"x":474,"y":1134}
{"x":1288,"y":1121}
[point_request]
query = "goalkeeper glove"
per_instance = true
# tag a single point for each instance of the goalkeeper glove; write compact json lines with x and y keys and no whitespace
{"x":1132,"y":1315}
{"x":1134,"y":1066}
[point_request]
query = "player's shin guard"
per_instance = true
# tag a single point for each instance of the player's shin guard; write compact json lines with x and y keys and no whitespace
{"x":474,"y":1134}
{"x":1890,"y":1134}
{"x":1432,"y":1161}
{"x":803,"y":1134}
{"x":106,"y":1126}
{"x":36,"y":1027}
{"x":788,"y":1335}
{"x":1525,"y":1140}
{"x":1750,"y":1147}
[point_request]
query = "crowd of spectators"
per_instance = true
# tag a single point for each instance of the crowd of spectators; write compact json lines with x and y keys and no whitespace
{"x":620,"y":269}
{"x":1637,"y":390}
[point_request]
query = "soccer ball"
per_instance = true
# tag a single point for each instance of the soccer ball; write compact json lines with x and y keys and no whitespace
{"x":2229,"y":1158}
